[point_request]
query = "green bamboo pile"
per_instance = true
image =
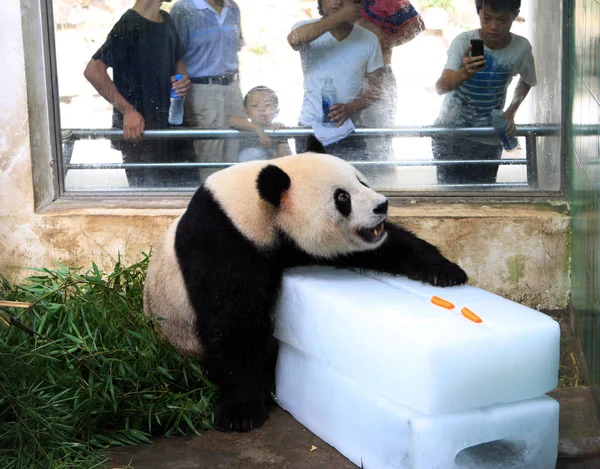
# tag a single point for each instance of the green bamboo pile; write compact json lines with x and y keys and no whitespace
{"x":82,"y":369}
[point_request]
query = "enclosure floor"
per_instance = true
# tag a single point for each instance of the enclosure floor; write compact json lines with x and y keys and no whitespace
{"x":282,"y":443}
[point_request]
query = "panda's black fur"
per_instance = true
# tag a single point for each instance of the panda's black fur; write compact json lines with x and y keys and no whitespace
{"x":233,"y":285}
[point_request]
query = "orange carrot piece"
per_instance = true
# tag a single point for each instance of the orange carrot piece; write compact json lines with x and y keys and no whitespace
{"x":436,"y":300}
{"x":467,"y":313}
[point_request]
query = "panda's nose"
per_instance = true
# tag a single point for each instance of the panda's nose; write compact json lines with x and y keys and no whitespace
{"x":381,"y":209}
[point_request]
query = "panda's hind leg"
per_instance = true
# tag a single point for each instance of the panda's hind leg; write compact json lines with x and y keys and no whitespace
{"x":240,"y":366}
{"x":239,"y":350}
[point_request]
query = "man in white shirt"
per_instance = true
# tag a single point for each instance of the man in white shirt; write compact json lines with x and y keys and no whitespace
{"x":333,"y":46}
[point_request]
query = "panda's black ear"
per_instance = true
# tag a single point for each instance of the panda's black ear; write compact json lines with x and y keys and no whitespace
{"x":272,"y":182}
{"x":313,"y":144}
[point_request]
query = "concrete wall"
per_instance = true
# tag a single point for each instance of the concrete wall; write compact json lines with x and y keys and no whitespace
{"x":520,"y":251}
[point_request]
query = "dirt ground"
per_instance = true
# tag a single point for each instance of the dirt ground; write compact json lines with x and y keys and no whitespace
{"x":570,"y":372}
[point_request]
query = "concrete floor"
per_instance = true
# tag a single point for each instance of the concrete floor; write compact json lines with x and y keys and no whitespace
{"x":579,"y":446}
{"x":282,"y":443}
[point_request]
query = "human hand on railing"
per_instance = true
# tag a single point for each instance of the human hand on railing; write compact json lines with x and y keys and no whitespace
{"x":263,"y":139}
{"x":511,"y":128}
{"x":472,"y":65}
{"x":133,"y":125}
{"x":181,"y":87}
{"x":339,"y":113}
{"x":275,"y":126}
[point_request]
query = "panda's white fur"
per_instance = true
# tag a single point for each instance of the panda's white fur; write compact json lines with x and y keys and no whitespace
{"x":215,"y":275}
{"x":166,"y":296}
{"x":318,"y":228}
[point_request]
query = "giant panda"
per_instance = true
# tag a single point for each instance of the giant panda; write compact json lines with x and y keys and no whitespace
{"x":216,"y":273}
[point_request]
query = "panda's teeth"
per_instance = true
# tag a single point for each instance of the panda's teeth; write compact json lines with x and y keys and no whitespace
{"x":378,"y":230}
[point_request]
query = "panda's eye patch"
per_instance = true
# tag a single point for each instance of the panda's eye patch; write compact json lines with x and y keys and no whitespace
{"x":342,"y":202}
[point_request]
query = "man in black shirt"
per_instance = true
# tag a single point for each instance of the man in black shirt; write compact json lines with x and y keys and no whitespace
{"x":145,"y":53}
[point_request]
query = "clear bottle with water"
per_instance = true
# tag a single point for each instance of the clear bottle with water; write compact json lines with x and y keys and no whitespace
{"x":328,"y":99}
{"x":499,"y":123}
{"x":176,"y":107}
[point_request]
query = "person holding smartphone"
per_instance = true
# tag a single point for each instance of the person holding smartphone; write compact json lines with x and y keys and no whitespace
{"x":475,"y":84}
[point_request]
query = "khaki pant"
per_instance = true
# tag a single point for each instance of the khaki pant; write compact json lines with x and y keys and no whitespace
{"x":208,"y":107}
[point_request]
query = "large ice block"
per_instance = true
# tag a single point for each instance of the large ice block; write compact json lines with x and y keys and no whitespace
{"x":377,"y":433}
{"x":385,"y":333}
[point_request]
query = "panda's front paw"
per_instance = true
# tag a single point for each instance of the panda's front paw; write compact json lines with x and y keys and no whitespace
{"x":444,"y":274}
{"x":233,"y":416}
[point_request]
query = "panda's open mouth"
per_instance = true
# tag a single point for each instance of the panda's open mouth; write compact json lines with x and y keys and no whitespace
{"x":371,"y":235}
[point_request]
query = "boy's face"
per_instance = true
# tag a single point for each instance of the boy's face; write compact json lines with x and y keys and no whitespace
{"x":261,"y":107}
{"x":495,"y":26}
{"x":331,"y":6}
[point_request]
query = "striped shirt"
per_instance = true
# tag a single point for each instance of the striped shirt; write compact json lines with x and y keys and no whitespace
{"x":470,"y":104}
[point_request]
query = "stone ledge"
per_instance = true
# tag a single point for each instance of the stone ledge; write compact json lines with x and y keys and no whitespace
{"x":579,"y":426}
{"x":427,"y":209}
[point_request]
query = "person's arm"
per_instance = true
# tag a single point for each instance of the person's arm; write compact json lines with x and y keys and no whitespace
{"x":342,"y":111}
{"x":240,"y":123}
{"x":452,"y":79}
{"x":133,"y":122}
{"x":283,"y":148}
{"x":521,"y":92}
{"x":307,"y":33}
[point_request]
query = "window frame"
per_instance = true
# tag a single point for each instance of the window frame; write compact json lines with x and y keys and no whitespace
{"x":46,"y":140}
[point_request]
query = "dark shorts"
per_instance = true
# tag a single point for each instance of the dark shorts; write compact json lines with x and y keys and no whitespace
{"x":452,"y":147}
{"x":159,"y":151}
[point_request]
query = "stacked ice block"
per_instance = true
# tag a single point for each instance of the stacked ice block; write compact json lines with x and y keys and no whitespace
{"x":373,"y":367}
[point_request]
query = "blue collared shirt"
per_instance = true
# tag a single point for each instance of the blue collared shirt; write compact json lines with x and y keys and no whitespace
{"x":211,"y":42}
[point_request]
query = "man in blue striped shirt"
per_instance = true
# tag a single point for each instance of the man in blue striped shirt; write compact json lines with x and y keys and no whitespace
{"x":474,"y":86}
{"x":211,"y":33}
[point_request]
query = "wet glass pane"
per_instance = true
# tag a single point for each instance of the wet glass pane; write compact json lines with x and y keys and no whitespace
{"x":382,"y":88}
{"x":584,"y":158}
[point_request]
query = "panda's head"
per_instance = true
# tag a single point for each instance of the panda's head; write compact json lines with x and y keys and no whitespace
{"x":323,"y":204}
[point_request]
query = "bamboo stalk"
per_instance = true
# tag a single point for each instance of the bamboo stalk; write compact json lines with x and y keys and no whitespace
{"x":15,"y":304}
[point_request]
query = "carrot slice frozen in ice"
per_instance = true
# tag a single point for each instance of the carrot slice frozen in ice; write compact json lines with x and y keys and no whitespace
{"x":467,"y":313}
{"x":436,"y":300}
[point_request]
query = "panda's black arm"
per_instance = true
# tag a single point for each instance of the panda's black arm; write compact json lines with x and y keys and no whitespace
{"x":402,"y":253}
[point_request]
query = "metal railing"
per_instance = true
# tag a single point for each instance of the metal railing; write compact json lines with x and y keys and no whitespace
{"x":530,"y":131}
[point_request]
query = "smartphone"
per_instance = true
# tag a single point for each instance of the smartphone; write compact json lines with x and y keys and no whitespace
{"x":476,"y":47}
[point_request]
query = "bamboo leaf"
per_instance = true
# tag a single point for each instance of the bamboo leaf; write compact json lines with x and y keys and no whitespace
{"x":91,"y":380}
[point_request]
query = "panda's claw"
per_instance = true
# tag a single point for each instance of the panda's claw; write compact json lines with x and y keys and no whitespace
{"x":239,"y":416}
{"x":442,"y":274}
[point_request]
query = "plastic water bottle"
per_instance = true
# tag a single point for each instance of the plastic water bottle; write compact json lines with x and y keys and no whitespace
{"x":176,"y":107}
{"x":328,"y":99}
{"x":499,"y":122}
